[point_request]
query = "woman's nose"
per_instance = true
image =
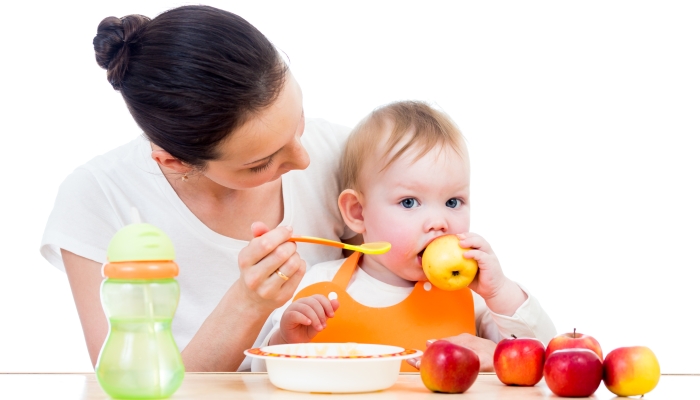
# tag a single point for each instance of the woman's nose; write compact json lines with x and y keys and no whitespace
{"x":296,"y":156}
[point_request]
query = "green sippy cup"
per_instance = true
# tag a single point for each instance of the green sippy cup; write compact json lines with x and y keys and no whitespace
{"x":139,"y":358}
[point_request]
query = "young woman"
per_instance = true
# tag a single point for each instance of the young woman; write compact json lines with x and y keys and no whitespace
{"x":229,"y":168}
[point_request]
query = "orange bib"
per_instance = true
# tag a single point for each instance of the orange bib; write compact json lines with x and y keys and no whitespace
{"x":427,"y":313}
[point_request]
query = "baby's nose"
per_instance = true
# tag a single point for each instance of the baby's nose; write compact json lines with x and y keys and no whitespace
{"x":436,"y":223}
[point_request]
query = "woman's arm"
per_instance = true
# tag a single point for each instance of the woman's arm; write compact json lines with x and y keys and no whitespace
{"x":236,"y":321}
{"x":85,"y":278}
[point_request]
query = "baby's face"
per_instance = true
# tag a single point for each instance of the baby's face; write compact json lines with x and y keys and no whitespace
{"x":413,"y":202}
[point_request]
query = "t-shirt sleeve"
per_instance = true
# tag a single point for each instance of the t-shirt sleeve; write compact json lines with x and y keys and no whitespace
{"x":82,"y":221}
{"x":529,"y":320}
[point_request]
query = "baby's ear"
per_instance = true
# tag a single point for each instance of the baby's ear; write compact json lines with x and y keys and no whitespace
{"x":350,"y":205}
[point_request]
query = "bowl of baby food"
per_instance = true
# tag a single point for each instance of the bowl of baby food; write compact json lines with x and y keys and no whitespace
{"x":333,"y":367}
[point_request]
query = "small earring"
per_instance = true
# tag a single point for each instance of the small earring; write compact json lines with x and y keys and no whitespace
{"x":185,"y":177}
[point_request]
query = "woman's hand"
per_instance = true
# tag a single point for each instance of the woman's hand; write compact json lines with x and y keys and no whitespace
{"x":271,"y":268}
{"x":304,"y":318}
{"x":502,"y":295}
{"x":484,"y":348}
{"x":270,"y":273}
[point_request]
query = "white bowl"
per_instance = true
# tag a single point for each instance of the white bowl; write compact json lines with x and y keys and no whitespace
{"x":333,"y":367}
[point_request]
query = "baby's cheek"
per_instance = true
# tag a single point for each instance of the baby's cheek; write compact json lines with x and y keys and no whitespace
{"x":401,"y":248}
{"x":396,"y":232}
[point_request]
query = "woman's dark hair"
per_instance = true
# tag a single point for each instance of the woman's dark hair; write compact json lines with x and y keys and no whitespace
{"x":189,"y":76}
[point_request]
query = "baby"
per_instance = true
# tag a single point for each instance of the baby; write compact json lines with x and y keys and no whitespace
{"x":405,"y":175}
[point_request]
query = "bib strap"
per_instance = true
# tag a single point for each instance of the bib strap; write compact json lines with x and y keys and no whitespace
{"x":342,"y":277}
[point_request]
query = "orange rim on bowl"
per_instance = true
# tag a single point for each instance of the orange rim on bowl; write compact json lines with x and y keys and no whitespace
{"x":260,"y":352}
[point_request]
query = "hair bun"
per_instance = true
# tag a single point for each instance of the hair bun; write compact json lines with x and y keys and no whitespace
{"x":112,"y":44}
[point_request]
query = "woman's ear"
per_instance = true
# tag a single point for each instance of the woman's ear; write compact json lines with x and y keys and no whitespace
{"x":166,"y":160}
{"x":350,"y":206}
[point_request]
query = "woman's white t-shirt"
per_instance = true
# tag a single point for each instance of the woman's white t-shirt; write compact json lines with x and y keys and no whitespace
{"x":96,"y":200}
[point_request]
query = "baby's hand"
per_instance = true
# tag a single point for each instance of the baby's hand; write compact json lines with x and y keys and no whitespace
{"x":304,"y":318}
{"x":502,"y":295}
{"x":490,"y":278}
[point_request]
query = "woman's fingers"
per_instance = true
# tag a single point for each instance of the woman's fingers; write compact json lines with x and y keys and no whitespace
{"x":269,"y":247}
{"x":270,"y":266}
{"x":275,"y":286}
{"x":259,"y":229}
{"x":283,"y":257}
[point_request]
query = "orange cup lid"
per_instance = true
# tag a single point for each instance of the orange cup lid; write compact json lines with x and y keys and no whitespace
{"x":141,"y":270}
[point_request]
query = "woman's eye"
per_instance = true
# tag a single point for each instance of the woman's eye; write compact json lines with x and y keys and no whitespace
{"x":453,"y":203}
{"x":263,"y":167}
{"x":409,"y":203}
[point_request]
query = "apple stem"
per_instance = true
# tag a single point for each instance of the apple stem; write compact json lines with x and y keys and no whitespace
{"x":514,"y":337}
{"x":574,"y":333}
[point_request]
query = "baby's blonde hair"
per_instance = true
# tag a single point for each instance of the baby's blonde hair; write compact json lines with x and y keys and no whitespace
{"x":416,"y":121}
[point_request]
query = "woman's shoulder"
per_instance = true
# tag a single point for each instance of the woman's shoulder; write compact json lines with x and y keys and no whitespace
{"x":324,"y":141}
{"x":324,"y":136}
{"x":124,"y":168}
{"x":132,"y":154}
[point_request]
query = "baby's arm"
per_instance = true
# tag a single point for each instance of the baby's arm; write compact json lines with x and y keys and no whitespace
{"x":303,"y":319}
{"x":510,"y":310}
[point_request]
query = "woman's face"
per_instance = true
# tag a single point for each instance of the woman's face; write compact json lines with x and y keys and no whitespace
{"x":266,"y":146}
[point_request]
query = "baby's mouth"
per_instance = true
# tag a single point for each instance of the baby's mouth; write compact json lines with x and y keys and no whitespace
{"x":420,"y":256}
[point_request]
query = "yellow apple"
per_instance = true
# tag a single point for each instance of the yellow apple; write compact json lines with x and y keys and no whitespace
{"x":445,"y":266}
{"x":631,"y":371}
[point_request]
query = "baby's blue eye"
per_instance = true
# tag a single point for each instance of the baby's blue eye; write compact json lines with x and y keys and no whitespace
{"x":453,"y":203}
{"x":409,"y":203}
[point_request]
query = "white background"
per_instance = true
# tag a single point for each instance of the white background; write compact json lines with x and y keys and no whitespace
{"x":582,"y":120}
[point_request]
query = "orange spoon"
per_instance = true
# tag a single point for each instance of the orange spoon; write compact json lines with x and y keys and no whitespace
{"x":367,"y":248}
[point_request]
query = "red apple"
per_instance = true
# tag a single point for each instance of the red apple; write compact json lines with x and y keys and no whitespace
{"x":448,"y":368}
{"x":573,"y":372}
{"x":519,"y":361}
{"x":574,"y":341}
{"x":631,"y":371}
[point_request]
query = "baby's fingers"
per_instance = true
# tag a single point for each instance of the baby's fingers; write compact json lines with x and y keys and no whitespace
{"x":473,"y":241}
{"x":414,"y":362}
{"x":329,"y":306}
{"x":295,"y":318}
{"x":479,"y":256}
{"x":314,"y":311}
